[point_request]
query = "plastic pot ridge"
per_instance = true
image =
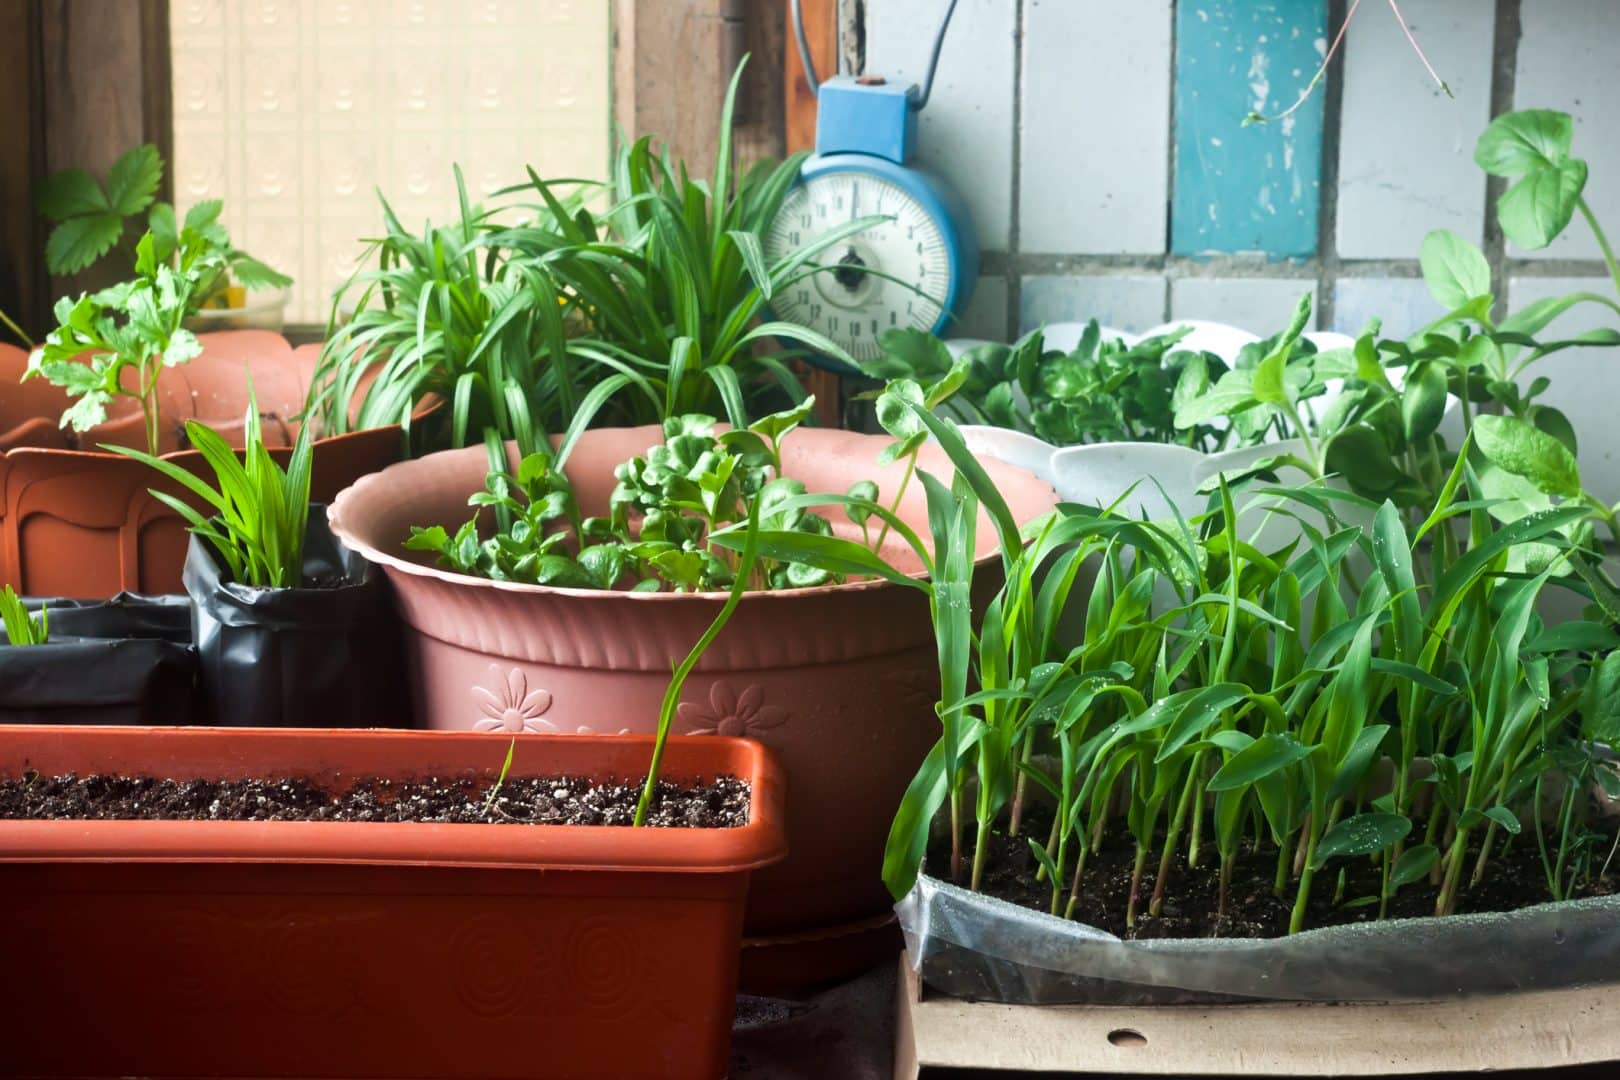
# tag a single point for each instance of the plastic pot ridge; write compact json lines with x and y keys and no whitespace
{"x":365,"y":949}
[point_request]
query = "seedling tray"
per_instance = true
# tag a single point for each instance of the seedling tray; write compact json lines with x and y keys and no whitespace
{"x":1529,"y":1030}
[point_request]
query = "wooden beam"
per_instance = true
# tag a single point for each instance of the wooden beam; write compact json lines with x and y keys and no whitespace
{"x":106,"y":86}
{"x":24,"y":288}
{"x":821,"y":31}
{"x":672,"y":62}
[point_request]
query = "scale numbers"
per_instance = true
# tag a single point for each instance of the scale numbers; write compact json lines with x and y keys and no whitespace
{"x":844,"y":301}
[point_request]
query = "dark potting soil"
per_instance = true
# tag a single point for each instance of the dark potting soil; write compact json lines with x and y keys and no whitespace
{"x":544,"y":800}
{"x":1192,"y":896}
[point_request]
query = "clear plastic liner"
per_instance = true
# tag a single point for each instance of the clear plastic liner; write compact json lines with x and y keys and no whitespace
{"x":982,"y":949}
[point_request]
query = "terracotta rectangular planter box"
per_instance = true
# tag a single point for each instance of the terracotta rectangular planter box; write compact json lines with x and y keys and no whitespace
{"x":936,"y":1035}
{"x":326,"y":949}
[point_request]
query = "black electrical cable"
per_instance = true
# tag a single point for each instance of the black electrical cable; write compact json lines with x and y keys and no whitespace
{"x":933,"y":56}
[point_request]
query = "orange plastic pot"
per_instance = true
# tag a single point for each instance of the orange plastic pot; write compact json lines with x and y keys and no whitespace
{"x":77,"y":521}
{"x":323,"y":949}
{"x":840,"y":680}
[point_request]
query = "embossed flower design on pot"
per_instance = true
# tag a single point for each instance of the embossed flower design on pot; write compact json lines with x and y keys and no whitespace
{"x":730,"y":713}
{"x":512,"y":706}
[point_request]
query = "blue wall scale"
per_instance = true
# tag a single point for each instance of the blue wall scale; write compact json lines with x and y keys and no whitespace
{"x":925,"y":257}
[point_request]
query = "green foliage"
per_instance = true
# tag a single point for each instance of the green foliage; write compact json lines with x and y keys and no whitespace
{"x":672,"y":693}
{"x":1261,"y":687}
{"x":90,"y":221}
{"x":258,"y":511}
{"x":650,"y":310}
{"x":1532,"y":149}
{"x":126,"y":334}
{"x":663,"y":512}
{"x":21,"y":626}
{"x":1104,"y":390}
{"x":89,"y":218}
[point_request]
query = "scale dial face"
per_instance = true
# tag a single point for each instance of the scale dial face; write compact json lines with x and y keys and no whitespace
{"x":844,"y":302}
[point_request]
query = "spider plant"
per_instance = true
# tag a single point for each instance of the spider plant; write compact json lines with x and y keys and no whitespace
{"x":258,"y":512}
{"x":448,"y":313}
{"x":654,"y":308}
{"x":21,"y":626}
{"x":674,"y":281}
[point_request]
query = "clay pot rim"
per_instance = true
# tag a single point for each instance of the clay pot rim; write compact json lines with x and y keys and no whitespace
{"x":172,"y":455}
{"x":616,"y":848}
{"x":399,"y":564}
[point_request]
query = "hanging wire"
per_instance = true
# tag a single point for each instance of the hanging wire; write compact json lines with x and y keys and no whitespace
{"x":933,"y":56}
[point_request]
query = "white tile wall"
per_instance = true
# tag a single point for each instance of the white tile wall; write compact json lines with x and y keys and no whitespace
{"x":1124,"y":302}
{"x":1583,"y":380}
{"x":1260,"y":305}
{"x":986,"y":314}
{"x":1404,"y":305}
{"x":1406,"y":151}
{"x":1094,"y":152}
{"x":966,"y":132}
{"x":1569,"y":59}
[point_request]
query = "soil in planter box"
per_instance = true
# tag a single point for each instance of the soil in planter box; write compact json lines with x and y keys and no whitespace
{"x":1512,"y":881}
{"x":560,"y":800}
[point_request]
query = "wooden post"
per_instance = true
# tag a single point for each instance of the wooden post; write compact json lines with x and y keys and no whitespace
{"x":672,"y":62}
{"x":821,"y":31}
{"x":82,"y":82}
{"x":24,"y":290}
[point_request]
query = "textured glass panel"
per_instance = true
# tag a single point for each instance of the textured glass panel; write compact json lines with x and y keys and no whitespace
{"x":296,"y":112}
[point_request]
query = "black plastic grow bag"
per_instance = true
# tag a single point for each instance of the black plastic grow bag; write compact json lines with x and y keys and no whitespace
{"x":327,"y":655}
{"x":127,"y":660}
{"x":979,"y":948}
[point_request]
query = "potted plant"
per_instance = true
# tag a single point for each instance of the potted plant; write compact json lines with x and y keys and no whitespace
{"x":467,"y":942}
{"x":447,"y":920}
{"x":655,"y":307}
{"x":123,"y":369}
{"x":1331,"y":786}
{"x":1107,"y":416}
{"x":291,"y":628}
{"x":127,"y":660}
{"x":835,"y":676}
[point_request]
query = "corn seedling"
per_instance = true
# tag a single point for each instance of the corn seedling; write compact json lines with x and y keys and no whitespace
{"x":22,"y":626}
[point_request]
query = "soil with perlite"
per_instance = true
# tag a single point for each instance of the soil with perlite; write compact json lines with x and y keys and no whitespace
{"x":1191,"y":900}
{"x":547,"y":800}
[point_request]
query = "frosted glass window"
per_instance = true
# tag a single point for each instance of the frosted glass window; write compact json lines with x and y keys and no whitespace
{"x":296,"y":111}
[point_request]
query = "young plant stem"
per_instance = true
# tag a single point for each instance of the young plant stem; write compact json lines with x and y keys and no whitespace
{"x":149,"y":412}
{"x":956,"y":833}
{"x":1446,"y":902}
{"x":900,"y":493}
{"x":1136,"y":885}
{"x":1171,"y":841}
{"x":672,"y":693}
{"x":1195,"y":835}
{"x":979,"y":851}
{"x":1279,"y":884}
{"x":1074,"y":885}
{"x":1484,"y":854}
{"x":1051,"y":845}
{"x":1227,"y":863}
{"x":1015,"y":818}
{"x":15,"y":329}
{"x":1430,"y":835}
{"x":1302,"y":897}
{"x":1321,"y":71}
{"x":1602,"y":240}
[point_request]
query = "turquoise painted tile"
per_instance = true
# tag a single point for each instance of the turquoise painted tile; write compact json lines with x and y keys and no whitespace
{"x":1255,"y":188}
